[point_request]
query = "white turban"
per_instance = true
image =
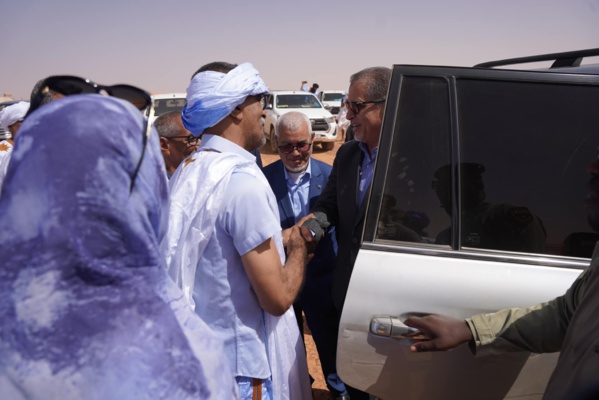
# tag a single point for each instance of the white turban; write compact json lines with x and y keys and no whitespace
{"x":211,"y":95}
{"x":13,"y":113}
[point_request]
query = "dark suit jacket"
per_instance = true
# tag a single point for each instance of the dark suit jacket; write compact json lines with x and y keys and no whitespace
{"x":339,"y":201}
{"x":324,"y":260}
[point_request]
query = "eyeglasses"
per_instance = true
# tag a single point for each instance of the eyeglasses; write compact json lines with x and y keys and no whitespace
{"x":356,"y":106}
{"x":191,"y":140}
{"x":262,"y":99}
{"x":301,"y":147}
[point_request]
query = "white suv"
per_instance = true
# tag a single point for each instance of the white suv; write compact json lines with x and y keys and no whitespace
{"x":280,"y":102}
{"x":486,"y":167}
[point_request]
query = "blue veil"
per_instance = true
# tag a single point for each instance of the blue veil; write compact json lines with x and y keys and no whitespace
{"x":87,"y":310}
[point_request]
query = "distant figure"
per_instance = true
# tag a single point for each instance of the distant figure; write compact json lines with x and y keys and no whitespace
{"x":12,"y":116}
{"x":10,"y":119}
{"x":297,"y":180}
{"x":176,"y":142}
{"x":305,"y":87}
{"x":314,"y":89}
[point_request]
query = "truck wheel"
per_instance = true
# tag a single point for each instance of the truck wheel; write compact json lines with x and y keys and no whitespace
{"x":273,"y":140}
{"x":328,"y":146}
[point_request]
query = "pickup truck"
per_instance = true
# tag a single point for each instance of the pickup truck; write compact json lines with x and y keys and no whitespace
{"x":323,"y":122}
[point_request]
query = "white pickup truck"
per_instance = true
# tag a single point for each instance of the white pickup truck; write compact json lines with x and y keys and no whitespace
{"x":323,"y":122}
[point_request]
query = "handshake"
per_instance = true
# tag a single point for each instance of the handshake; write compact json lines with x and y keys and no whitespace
{"x":311,"y":228}
{"x":317,"y":224}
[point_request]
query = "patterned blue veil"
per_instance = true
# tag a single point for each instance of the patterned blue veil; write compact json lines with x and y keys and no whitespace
{"x":87,"y":310}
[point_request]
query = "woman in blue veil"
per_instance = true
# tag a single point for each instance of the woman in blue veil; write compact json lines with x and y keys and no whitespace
{"x":87,"y":310}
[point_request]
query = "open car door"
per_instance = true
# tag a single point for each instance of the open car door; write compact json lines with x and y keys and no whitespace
{"x":488,"y":168}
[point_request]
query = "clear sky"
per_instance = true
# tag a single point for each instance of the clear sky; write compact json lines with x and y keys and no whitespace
{"x":157,"y":45}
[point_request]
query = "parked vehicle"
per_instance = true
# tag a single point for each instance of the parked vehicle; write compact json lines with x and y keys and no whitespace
{"x":163,"y":103}
{"x":487,"y":166}
{"x":278,"y":103}
{"x":331,"y":99}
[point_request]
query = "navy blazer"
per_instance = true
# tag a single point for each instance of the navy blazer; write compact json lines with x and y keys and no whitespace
{"x":325,"y":255}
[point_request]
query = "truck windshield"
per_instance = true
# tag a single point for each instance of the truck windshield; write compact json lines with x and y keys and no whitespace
{"x":297,"y":101}
{"x":332,"y":96}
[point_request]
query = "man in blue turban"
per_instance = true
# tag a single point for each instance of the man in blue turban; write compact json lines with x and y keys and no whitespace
{"x":224,"y":244}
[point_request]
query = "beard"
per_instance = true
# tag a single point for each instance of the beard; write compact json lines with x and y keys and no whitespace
{"x":255,"y":142}
{"x":297,"y":169}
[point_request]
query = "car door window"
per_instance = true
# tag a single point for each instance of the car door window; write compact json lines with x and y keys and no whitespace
{"x":523,"y":151}
{"x":504,"y":172}
{"x":410,"y":209}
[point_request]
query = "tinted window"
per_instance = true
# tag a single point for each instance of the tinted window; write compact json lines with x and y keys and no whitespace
{"x":519,"y":156}
{"x":410,"y":209}
{"x":297,"y":101}
{"x":524,"y":148}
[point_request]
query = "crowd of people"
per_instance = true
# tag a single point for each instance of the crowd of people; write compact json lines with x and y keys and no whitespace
{"x":162,"y":262}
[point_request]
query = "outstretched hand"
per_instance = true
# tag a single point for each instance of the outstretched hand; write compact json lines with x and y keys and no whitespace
{"x":301,"y":237}
{"x":438,"y":332}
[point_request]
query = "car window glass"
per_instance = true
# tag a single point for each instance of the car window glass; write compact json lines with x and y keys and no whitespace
{"x":297,"y":101}
{"x":162,"y":106}
{"x":332,"y":96}
{"x":524,"y":147}
{"x":410,"y":209}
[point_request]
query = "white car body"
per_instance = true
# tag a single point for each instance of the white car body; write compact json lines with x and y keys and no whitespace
{"x":323,"y":122}
{"x":331,"y":99}
{"x":166,"y":102}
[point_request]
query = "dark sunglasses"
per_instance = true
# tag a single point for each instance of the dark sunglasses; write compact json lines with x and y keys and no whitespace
{"x":302,"y":147}
{"x":262,"y":99}
{"x":356,"y":106}
{"x":68,"y":85}
{"x":191,"y":140}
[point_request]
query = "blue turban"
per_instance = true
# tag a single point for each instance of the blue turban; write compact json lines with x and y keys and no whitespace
{"x":211,"y":95}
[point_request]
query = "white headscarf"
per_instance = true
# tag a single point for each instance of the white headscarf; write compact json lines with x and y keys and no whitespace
{"x":211,"y":95}
{"x":13,"y":113}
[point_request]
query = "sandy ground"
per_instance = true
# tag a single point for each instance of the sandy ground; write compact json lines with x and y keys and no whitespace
{"x":319,"y":388}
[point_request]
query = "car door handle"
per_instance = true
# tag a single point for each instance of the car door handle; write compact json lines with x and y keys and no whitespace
{"x":390,"y":326}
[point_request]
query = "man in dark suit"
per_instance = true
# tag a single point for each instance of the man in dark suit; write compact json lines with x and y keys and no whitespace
{"x":297,"y":180}
{"x":343,"y":199}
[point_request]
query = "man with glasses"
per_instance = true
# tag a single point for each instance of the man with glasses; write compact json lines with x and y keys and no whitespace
{"x":297,"y":180}
{"x":224,"y":243}
{"x":342,"y":201}
{"x":176,"y":142}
